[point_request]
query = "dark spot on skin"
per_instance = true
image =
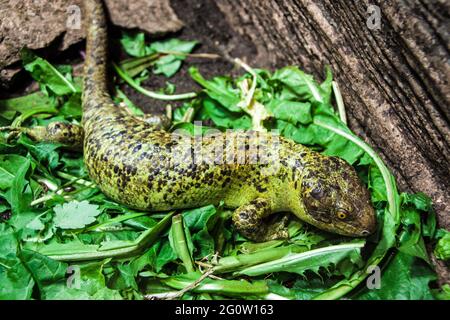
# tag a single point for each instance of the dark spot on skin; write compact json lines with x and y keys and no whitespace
{"x":243,"y":215}
{"x":317,"y":193}
{"x":226,"y":182}
{"x":260,"y":188}
{"x":137,"y":148}
{"x":259,"y":204}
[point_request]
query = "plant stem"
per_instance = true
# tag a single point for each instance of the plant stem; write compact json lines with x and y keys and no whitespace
{"x":151,"y":94}
{"x":48,"y":183}
{"x":233,"y":263}
{"x":188,"y":116}
{"x":339,"y":102}
{"x":36,"y":110}
{"x":179,"y":239}
{"x":145,"y":240}
{"x":250,"y":93}
{"x":116,"y":220}
{"x":193,"y":285}
{"x":75,"y":179}
{"x":129,"y":104}
{"x":43,"y":199}
{"x":194,"y":55}
{"x":231,"y":287}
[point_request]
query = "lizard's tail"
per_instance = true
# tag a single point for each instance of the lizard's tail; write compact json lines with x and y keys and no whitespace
{"x":95,"y":91}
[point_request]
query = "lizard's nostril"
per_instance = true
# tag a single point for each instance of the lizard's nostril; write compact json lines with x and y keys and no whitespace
{"x":365,"y":233}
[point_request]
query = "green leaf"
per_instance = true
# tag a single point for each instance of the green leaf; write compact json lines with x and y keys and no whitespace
{"x":93,"y":281}
{"x":405,"y":278}
{"x":146,"y":260}
{"x":43,"y":269}
{"x":299,"y":83}
{"x":225,"y":118}
{"x":291,"y":111}
{"x":263,"y":255}
{"x":167,"y":66}
{"x":442,"y":249}
{"x":16,"y":196}
{"x":411,"y":240}
{"x":171,"y":63}
{"x":133,"y":44}
{"x":44,"y":152}
{"x":60,"y":291}
{"x":306,"y":289}
{"x":125,"y":277}
{"x":219,"y":89}
{"x":196,"y":219}
{"x":376,"y":184}
{"x":418,"y":200}
{"x":16,"y":282}
{"x":335,"y":144}
{"x":204,"y":244}
{"x":75,"y":214}
{"x":88,"y":283}
{"x":166,"y":254}
{"x":72,"y":107}
{"x":33,"y":101}
{"x":311,"y":260}
{"x":443,"y":294}
{"x":327,"y":86}
{"x":413,"y":228}
{"x":10,"y":164}
{"x":174,"y":45}
{"x":422,"y":202}
{"x":46,"y":74}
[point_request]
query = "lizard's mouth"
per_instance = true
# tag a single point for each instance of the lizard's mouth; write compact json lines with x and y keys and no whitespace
{"x":341,"y":228}
{"x":360,"y":230}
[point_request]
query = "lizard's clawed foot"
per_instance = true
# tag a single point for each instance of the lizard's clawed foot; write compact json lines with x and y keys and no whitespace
{"x":13,"y":132}
{"x":251,"y":221}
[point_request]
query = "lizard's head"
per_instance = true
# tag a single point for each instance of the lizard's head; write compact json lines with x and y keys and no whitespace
{"x":335,"y":199}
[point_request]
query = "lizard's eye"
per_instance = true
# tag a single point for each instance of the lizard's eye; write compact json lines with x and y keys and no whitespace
{"x":341,"y":214}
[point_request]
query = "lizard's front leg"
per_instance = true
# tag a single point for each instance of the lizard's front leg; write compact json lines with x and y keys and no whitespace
{"x":71,"y":135}
{"x":68,"y":134}
{"x":250,"y":220}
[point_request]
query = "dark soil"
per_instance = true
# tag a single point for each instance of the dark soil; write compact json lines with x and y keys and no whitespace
{"x":197,"y":17}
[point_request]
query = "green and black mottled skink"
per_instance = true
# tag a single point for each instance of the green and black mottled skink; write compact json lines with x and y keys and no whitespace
{"x":138,"y":164}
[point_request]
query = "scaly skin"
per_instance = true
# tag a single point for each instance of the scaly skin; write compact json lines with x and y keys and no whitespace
{"x":147,"y":168}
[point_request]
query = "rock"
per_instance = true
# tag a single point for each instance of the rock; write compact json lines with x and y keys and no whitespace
{"x":39,"y":23}
{"x":153,"y":16}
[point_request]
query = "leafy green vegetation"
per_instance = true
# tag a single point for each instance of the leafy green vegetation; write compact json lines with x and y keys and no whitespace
{"x":61,"y":238}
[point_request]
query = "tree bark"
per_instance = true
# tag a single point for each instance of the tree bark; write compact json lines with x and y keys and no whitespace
{"x":394,"y":80}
